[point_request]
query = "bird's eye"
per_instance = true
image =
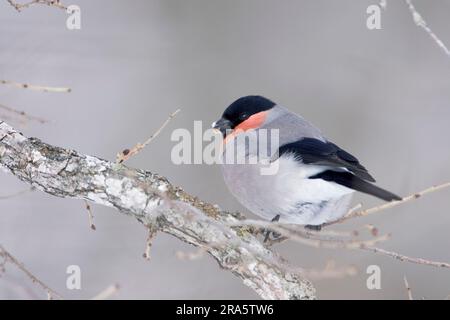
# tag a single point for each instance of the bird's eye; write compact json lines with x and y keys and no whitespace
{"x":243,"y":116}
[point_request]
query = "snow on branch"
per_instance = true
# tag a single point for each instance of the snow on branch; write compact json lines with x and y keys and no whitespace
{"x":154,"y":202}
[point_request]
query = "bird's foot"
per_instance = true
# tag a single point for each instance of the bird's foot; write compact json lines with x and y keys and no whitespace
{"x":314,"y":227}
{"x":271,"y":236}
{"x":268,"y":233}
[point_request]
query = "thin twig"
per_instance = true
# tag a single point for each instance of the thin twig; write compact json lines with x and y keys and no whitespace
{"x":372,"y":229}
{"x":389,"y":205}
{"x":107,"y":293}
{"x":23,"y":114}
{"x":152,"y":231}
{"x":402,"y":257}
{"x":312,"y":239}
{"x":17,"y":194}
{"x":10,"y":258}
{"x":329,"y":272}
{"x":128,"y":153}
{"x":355,"y":208}
{"x":419,"y":21}
{"x":90,"y":216}
{"x":318,"y":241}
{"x":36,"y":87}
{"x":408,"y":289}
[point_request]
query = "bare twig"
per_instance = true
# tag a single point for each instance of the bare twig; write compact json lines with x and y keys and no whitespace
{"x":354,"y":209}
{"x":20,"y":6}
{"x":24,"y":291}
{"x":408,"y":288}
{"x":389,"y":205}
{"x":313,"y":239}
{"x":90,"y":216}
{"x":419,"y":21}
{"x":36,"y":87}
{"x":17,"y":194}
{"x":108,"y":292}
{"x":402,"y":257}
{"x":318,"y":240}
{"x":10,"y":258}
{"x":128,"y":153}
{"x":23,"y":114}
{"x":372,"y":229}
{"x":152,"y":231}
{"x":330,"y":272}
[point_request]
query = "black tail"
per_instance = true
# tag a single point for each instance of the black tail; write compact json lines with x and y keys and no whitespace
{"x":351,"y":181}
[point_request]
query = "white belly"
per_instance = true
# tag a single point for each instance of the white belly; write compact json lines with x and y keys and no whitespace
{"x":288,"y":193}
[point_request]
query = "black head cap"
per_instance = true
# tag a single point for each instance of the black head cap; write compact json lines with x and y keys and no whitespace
{"x":245,"y":107}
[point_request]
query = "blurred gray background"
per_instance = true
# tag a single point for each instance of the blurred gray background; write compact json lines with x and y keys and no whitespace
{"x":382,"y":94}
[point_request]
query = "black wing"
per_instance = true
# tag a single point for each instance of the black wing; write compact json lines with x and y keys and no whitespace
{"x":314,"y":151}
{"x":353,"y":182}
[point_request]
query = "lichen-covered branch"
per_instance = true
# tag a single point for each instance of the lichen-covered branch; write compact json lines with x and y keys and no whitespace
{"x":153,"y":201}
{"x":20,"y":6}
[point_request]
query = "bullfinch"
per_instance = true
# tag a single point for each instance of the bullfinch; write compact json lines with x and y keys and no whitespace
{"x":314,"y":180}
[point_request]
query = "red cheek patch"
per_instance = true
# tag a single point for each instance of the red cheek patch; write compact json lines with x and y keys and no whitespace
{"x":253,"y":122}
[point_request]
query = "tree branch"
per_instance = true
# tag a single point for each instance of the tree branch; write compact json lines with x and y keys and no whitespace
{"x":20,"y":6}
{"x":152,"y":200}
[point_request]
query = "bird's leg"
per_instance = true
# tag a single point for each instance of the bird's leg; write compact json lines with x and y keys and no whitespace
{"x":268,"y":232}
{"x":314,"y":228}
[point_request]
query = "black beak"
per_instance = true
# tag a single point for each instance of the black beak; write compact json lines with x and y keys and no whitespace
{"x":223,"y":125}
